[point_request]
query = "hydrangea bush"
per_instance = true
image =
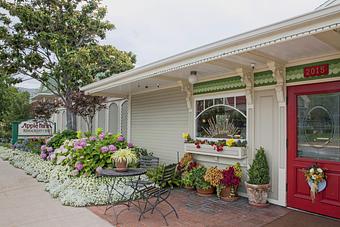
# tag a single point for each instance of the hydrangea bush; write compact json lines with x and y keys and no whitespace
{"x":59,"y":181}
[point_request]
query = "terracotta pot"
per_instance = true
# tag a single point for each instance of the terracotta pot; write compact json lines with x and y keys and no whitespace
{"x":226,"y":195}
{"x":189,"y":187}
{"x":205,"y":192}
{"x":121,"y":166}
{"x":258,"y":194}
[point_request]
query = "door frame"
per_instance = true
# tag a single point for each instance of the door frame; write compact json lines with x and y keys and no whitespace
{"x":292,"y":93}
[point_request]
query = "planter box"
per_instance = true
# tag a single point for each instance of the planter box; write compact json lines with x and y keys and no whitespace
{"x":207,"y":150}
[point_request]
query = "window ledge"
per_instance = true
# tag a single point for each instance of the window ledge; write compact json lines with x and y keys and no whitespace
{"x":207,"y":150}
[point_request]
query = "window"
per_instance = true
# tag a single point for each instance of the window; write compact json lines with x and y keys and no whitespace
{"x":221,"y":118}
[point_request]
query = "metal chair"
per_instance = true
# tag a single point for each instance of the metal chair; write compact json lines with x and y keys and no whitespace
{"x":160,"y":194}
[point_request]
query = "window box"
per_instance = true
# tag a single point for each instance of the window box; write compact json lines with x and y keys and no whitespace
{"x":208,"y":150}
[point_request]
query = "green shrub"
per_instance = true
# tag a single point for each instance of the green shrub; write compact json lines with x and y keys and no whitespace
{"x":58,"y":139}
{"x":259,"y":169}
{"x":198,"y":178}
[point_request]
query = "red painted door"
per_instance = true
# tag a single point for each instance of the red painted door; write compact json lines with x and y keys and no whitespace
{"x":314,"y":138}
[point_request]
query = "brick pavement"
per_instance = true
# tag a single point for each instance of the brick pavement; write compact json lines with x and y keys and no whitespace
{"x":199,"y":211}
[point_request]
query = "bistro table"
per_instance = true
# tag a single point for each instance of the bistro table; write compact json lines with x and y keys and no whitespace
{"x":113,"y":179}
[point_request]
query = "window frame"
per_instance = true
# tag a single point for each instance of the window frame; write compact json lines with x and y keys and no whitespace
{"x":216,"y":96}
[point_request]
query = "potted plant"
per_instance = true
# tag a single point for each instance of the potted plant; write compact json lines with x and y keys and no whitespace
{"x":230,"y":182}
{"x":203,"y":187}
{"x":188,"y":180}
{"x":258,"y":184}
{"x":122,"y":158}
{"x":213,"y":176}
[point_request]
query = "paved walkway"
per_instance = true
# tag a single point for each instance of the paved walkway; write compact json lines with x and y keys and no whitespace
{"x":23,"y":202}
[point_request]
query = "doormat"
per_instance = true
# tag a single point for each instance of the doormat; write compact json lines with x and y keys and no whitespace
{"x":297,"y":219}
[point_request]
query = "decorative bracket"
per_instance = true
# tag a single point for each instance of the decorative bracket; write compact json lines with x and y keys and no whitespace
{"x":247,"y":77}
{"x":279,"y":71}
{"x":186,"y":87}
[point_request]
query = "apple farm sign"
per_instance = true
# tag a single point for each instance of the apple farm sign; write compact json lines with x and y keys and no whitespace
{"x":35,"y":129}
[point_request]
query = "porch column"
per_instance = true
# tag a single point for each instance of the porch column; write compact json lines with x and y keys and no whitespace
{"x":247,"y":77}
{"x":107,"y":113}
{"x":128,"y":130}
{"x":279,"y":72}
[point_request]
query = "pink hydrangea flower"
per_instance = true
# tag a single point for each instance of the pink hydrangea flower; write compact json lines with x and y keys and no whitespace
{"x":101,"y":136}
{"x":112,"y":148}
{"x":78,"y":147}
{"x":43,"y":148}
{"x":130,"y":145}
{"x":43,"y":156}
{"x":104,"y":149}
{"x":120,"y":138}
{"x":93,"y":138}
{"x":79,"y":166}
{"x":49,"y":149}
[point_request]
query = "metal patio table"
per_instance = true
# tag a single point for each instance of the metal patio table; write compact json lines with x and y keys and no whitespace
{"x":128,"y":178}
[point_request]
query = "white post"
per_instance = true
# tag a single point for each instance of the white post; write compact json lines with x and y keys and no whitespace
{"x":129,"y":120}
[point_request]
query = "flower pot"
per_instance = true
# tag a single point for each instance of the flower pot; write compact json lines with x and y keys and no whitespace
{"x":205,"y":192}
{"x":121,"y":166}
{"x":229,"y":195}
{"x":258,"y":194}
{"x":189,"y":187}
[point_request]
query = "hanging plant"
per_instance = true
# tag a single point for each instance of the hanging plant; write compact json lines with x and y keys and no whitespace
{"x":316,"y":179}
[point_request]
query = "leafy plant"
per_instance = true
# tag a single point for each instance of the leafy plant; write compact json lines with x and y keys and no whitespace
{"x":213,"y":176}
{"x":188,"y":179}
{"x":156,"y":175}
{"x":198,"y":176}
{"x":58,"y":139}
{"x":259,"y":169}
{"x":230,"y":178}
{"x":125,"y":155}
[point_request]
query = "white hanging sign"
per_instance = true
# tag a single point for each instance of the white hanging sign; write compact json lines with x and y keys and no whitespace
{"x":35,"y":129}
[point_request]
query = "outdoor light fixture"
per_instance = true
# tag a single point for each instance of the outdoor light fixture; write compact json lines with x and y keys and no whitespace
{"x":193,"y":77}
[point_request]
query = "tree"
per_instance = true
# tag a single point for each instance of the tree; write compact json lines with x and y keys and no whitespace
{"x":16,"y":107}
{"x":86,"y":106}
{"x":43,"y":110}
{"x":56,"y":42}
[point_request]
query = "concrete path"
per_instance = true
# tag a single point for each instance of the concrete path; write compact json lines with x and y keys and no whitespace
{"x":23,"y":202}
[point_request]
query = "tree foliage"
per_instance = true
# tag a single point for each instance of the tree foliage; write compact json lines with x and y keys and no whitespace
{"x":86,"y":106}
{"x":56,"y":42}
{"x":43,"y":110}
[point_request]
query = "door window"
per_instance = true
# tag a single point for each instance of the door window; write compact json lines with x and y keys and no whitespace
{"x":318,"y":126}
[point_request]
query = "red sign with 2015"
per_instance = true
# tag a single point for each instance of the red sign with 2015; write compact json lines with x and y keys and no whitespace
{"x":316,"y":70}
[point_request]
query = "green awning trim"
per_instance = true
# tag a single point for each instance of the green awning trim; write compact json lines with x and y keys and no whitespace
{"x":295,"y":73}
{"x":225,"y":84}
{"x":264,"y":78}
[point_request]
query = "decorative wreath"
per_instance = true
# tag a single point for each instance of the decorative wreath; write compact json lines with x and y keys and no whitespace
{"x":316,"y":179}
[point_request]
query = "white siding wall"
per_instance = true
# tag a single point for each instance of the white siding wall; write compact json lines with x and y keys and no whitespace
{"x":266,"y":133}
{"x":158,"y":120}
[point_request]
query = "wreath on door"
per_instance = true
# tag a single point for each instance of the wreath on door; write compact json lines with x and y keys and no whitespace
{"x":316,"y":179}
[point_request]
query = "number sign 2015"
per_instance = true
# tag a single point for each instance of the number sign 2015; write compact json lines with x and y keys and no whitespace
{"x":316,"y":70}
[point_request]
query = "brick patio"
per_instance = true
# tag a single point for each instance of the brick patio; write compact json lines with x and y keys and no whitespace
{"x":198,"y":211}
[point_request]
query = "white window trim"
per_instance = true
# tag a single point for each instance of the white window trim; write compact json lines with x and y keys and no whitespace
{"x":216,"y":96}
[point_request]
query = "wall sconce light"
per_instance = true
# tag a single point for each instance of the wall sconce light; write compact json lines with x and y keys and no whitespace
{"x":193,"y":77}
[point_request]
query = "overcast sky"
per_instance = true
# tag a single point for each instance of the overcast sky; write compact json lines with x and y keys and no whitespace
{"x":155,"y":29}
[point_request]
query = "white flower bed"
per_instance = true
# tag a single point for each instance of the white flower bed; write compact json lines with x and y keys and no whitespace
{"x":71,"y":191}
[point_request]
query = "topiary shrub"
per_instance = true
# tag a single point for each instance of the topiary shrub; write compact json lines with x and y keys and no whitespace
{"x":259,"y":169}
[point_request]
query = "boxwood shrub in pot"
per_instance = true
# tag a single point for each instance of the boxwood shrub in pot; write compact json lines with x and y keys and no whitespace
{"x":258,"y":184}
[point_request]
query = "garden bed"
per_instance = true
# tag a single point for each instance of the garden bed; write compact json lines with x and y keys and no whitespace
{"x":70,"y":190}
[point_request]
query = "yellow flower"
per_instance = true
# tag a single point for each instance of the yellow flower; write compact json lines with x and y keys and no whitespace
{"x":230,"y":142}
{"x":185,"y":136}
{"x":79,"y":134}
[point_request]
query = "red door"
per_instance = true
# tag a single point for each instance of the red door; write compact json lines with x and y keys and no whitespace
{"x":314,"y":138}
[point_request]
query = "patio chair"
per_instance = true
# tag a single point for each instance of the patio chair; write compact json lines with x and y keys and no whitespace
{"x":159,"y":195}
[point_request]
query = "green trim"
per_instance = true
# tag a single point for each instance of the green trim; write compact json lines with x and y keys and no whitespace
{"x":295,"y":73}
{"x":15,"y":131}
{"x":225,"y":84}
{"x":264,"y":78}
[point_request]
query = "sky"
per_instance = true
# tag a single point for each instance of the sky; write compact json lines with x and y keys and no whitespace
{"x":156,"y":29}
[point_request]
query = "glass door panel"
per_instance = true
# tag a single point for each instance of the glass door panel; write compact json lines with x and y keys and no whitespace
{"x":318,"y":125}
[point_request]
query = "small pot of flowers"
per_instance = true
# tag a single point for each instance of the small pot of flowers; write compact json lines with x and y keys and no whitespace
{"x":258,"y":185}
{"x":122,"y":158}
{"x":213,"y":176}
{"x":203,"y":187}
{"x":230,"y":182}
